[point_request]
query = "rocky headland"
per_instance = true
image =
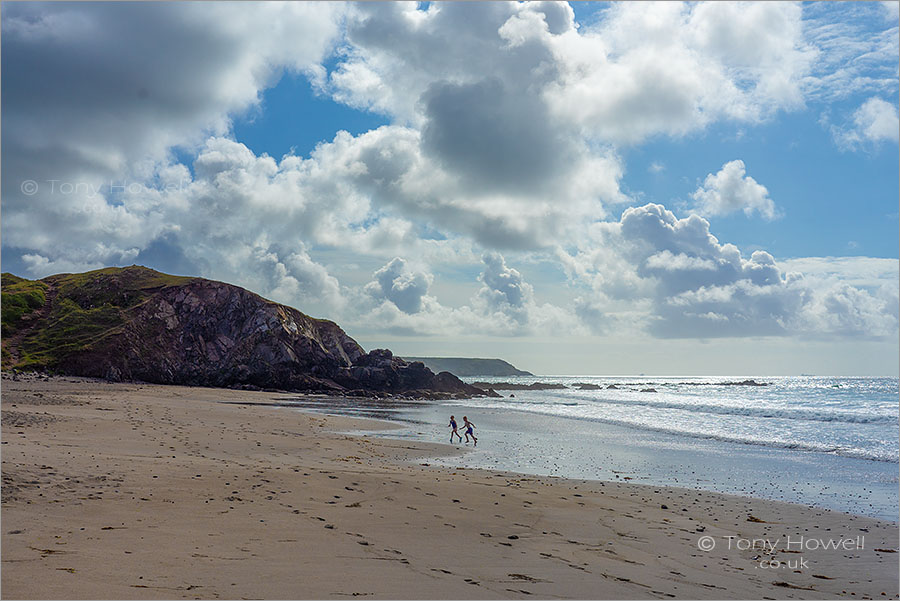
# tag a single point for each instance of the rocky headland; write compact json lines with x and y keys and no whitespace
{"x":137,"y":324}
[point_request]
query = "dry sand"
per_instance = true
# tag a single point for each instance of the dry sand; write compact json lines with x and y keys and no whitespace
{"x":130,"y":491}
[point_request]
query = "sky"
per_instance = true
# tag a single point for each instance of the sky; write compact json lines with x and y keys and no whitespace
{"x":594,"y":188}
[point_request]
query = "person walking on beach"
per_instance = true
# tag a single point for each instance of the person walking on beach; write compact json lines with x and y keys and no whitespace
{"x":469,"y":425}
{"x":453,"y":430}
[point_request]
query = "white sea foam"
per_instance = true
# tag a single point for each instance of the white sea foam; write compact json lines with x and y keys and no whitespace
{"x":852,"y":417}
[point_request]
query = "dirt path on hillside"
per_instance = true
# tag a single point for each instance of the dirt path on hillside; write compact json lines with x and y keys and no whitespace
{"x":13,"y":343}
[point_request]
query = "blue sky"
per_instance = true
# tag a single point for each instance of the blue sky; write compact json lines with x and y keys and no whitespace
{"x":534,"y":181}
{"x":292,"y":119}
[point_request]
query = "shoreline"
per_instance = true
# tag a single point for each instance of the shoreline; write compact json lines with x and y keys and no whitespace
{"x":383,"y":427}
{"x":601,"y":451}
{"x":147,"y":491}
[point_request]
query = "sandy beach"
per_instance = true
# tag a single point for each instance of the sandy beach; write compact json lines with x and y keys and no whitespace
{"x":142,"y":491}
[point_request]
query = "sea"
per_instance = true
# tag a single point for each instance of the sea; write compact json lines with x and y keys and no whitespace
{"x":829,"y":442}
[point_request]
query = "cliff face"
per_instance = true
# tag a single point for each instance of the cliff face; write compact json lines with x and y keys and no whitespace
{"x":138,"y":324}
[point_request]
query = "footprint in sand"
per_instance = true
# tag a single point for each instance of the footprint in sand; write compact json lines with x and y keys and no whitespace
{"x":526,"y":578}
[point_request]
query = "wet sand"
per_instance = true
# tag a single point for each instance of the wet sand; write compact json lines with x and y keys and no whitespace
{"x":141,"y":491}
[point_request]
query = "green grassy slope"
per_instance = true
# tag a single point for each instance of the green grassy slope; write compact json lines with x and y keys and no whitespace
{"x":81,"y":309}
{"x":20,"y":298}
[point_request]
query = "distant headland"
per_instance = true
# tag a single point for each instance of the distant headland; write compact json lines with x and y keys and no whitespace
{"x":466,"y":367}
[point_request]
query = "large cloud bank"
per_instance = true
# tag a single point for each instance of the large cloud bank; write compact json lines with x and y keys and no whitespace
{"x":504,"y":150}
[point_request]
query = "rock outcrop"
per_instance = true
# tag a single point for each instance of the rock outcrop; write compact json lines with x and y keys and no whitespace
{"x":138,"y":324}
{"x":587,"y":386}
{"x":515,"y":386}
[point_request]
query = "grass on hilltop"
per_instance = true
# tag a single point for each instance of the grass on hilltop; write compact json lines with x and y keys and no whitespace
{"x":20,"y":297}
{"x":87,"y":308}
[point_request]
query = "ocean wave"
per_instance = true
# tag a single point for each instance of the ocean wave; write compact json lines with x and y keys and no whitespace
{"x":887,"y":456}
{"x":817,"y":415}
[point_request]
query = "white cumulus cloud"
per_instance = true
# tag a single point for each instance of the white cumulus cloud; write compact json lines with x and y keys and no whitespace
{"x":397,"y":283}
{"x":730,"y":190}
{"x":673,"y":279}
{"x":874,"y":122}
